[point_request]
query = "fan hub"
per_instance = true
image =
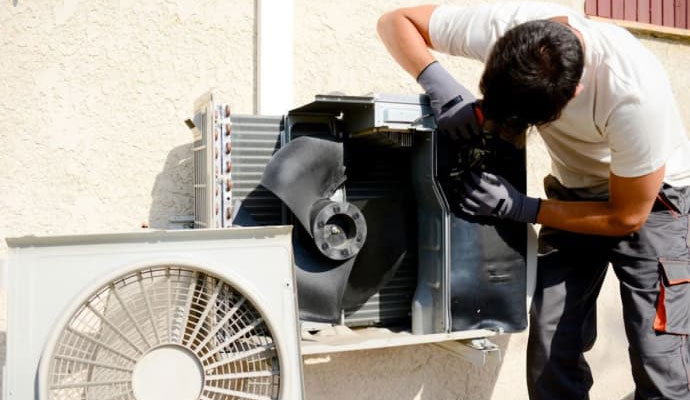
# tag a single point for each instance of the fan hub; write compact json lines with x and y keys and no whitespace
{"x":169,"y":372}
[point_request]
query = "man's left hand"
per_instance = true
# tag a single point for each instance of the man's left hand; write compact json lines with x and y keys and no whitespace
{"x":486,"y":194}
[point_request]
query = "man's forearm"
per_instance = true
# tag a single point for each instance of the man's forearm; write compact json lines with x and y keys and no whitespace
{"x":591,"y":217}
{"x":630,"y":202}
{"x":404,"y":38}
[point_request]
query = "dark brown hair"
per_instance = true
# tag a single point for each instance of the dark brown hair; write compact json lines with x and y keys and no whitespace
{"x":531,"y":74}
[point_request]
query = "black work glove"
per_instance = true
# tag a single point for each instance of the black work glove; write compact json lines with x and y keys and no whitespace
{"x":452,"y":104}
{"x":485,"y":194}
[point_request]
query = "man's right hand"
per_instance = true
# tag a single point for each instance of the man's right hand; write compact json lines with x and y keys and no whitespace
{"x":452,"y":104}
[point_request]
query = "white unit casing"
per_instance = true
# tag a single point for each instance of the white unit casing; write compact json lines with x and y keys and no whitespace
{"x":191,"y":314}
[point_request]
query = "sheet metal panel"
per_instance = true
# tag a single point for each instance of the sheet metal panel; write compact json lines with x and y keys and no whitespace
{"x":604,"y":8}
{"x":617,"y":9}
{"x":656,"y":16}
{"x":681,"y":14}
{"x":630,"y":10}
{"x":644,"y":11}
{"x":670,"y":13}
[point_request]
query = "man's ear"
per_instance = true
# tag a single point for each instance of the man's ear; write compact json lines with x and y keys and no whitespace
{"x":578,"y":89}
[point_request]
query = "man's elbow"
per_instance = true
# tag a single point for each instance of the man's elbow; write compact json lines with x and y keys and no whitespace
{"x":386,"y":20}
{"x":625,"y":224}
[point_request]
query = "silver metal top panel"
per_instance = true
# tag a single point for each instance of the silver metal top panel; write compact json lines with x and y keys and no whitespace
{"x":150,"y":236}
{"x":375,"y":97}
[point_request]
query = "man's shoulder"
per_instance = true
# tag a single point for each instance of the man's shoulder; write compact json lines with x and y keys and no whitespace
{"x":626,"y":67}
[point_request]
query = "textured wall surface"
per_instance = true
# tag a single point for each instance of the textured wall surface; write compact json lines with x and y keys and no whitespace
{"x":92,"y":98}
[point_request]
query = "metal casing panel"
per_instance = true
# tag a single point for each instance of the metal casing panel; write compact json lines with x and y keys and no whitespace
{"x":430,"y":309}
{"x":488,"y":259}
{"x":363,"y":116}
{"x":49,"y":277}
{"x":384,"y":120}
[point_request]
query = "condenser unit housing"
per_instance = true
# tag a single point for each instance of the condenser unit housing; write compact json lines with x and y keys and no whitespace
{"x":174,"y":315}
{"x":423,"y":266}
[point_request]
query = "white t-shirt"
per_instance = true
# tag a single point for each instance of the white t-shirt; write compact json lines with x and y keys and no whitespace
{"x":625,"y":121}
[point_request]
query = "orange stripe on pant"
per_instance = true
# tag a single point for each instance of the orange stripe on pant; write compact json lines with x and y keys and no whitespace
{"x":660,"y":319}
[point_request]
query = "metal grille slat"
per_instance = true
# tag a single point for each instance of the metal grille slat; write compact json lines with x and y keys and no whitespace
{"x":254,"y":140}
{"x":226,"y":335}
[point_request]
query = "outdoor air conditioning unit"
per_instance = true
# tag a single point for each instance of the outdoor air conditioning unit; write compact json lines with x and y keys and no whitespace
{"x":369,"y":185}
{"x":174,"y":315}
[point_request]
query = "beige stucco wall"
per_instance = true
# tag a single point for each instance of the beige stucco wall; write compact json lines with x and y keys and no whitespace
{"x":92,"y":98}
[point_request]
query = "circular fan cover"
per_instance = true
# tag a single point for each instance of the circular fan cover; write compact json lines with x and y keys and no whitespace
{"x":167,"y":332}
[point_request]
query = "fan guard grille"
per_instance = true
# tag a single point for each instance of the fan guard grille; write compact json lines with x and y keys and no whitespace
{"x":98,"y":349}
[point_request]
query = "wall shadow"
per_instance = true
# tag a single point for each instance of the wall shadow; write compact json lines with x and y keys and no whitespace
{"x":173,"y":190}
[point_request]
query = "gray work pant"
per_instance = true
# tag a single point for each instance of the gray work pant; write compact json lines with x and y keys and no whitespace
{"x":653,"y":267}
